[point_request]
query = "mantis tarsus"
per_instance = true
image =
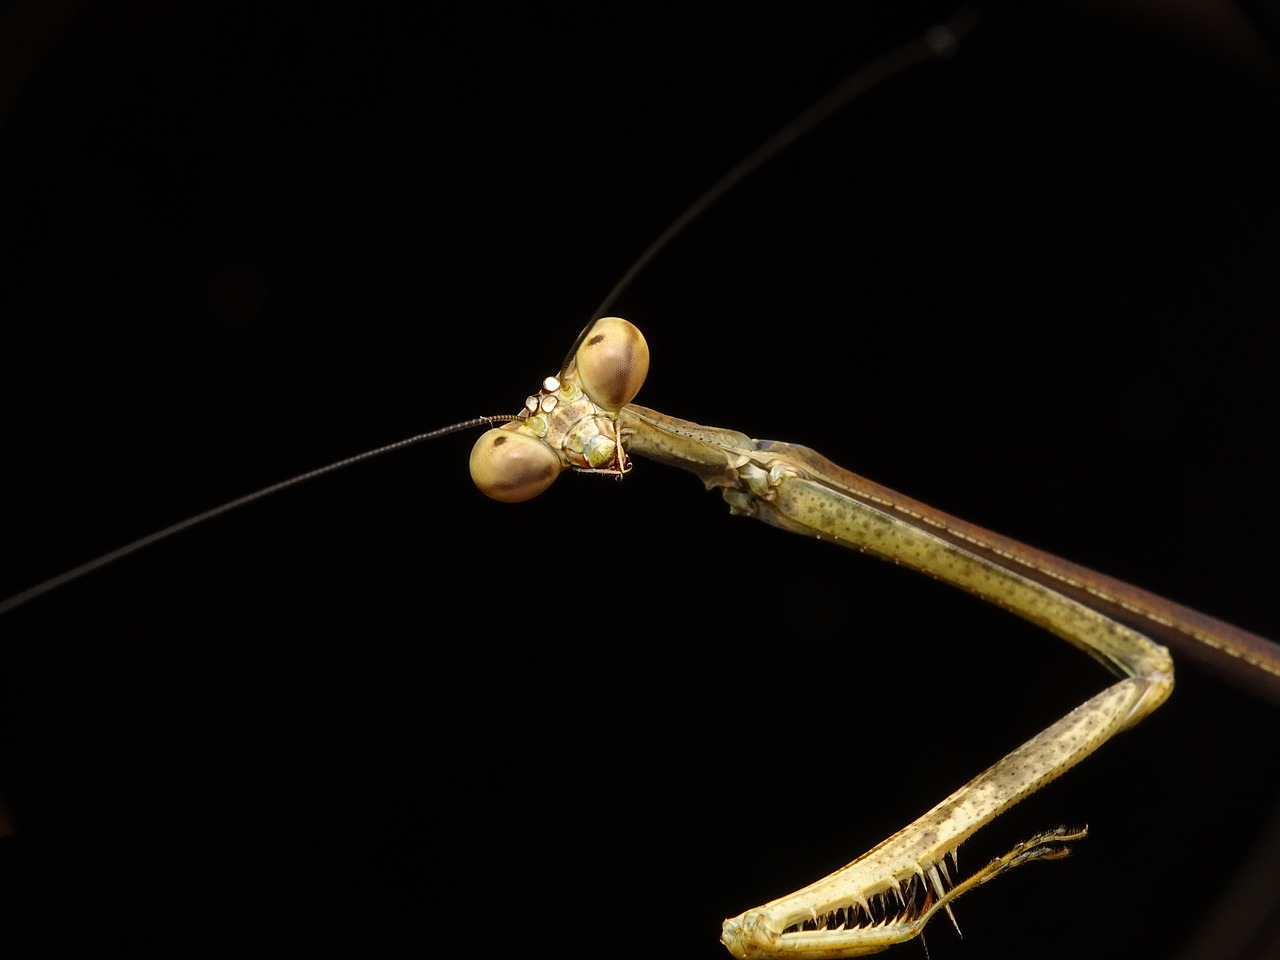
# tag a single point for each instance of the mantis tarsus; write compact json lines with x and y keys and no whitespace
{"x":253,"y":712}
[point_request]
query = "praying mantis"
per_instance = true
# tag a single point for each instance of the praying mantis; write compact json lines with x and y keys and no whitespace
{"x":981,"y":304}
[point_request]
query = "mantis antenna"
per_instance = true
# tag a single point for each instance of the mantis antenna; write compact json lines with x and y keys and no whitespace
{"x":937,"y":41}
{"x":97,"y":563}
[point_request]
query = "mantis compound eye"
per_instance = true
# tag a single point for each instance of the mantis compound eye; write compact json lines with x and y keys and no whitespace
{"x":512,"y":467}
{"x":613,"y":361}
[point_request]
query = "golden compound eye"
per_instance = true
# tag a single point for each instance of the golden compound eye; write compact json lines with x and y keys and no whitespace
{"x":512,"y":467}
{"x":612,"y":363}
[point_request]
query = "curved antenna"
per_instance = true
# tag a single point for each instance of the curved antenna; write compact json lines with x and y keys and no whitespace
{"x":75,"y":573}
{"x":940,"y":41}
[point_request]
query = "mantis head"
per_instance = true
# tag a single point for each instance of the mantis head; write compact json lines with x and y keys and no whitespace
{"x":571,"y":423}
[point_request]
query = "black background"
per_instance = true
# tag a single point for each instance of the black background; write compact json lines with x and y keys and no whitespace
{"x":1035,"y":286}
